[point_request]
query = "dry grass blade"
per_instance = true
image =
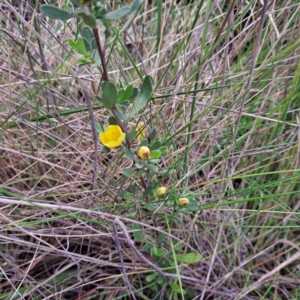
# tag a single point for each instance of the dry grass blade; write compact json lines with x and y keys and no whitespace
{"x":95,"y":136}
{"x":269,"y":275}
{"x":148,"y":262}
{"x":224,"y":113}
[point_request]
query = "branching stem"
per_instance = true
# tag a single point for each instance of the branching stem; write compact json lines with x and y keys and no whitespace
{"x":101,"y":54}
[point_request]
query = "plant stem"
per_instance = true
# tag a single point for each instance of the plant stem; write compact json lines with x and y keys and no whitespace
{"x":144,"y":184}
{"x":105,"y":77}
{"x":101,"y":54}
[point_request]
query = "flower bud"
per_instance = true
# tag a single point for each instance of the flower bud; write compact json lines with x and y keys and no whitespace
{"x":143,"y":152}
{"x":183,"y":202}
{"x":161,"y":192}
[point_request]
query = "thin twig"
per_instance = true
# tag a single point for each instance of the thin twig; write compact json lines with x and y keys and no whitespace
{"x":137,"y":51}
{"x":101,"y":52}
{"x":217,"y":245}
{"x":268,"y":276}
{"x":95,"y":135}
{"x":121,"y":68}
{"x":76,"y":210}
{"x":148,"y":262}
{"x":105,"y":77}
{"x":121,"y":260}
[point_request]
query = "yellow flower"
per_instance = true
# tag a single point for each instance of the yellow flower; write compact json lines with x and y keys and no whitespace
{"x":143,"y":152}
{"x":142,"y":132}
{"x":112,"y":137}
{"x":161,"y":192}
{"x":183,"y":202}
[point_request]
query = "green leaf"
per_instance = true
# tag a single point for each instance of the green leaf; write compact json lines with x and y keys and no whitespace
{"x":147,"y":191}
{"x":151,"y":277}
{"x":87,"y":34}
{"x":146,"y":247}
{"x":103,"y":85}
{"x":133,"y":189}
{"x":109,"y":96}
{"x":155,"y":154}
{"x":177,"y":246}
{"x":85,"y":60}
{"x":163,"y":150}
{"x":165,"y":172}
{"x":189,"y":258}
{"x":176,"y":288}
{"x":104,"y":149}
{"x":143,"y":96}
{"x":120,"y":93}
{"x":88,"y":39}
{"x":152,"y":135}
{"x":132,"y":213}
{"x":160,"y":238}
{"x":161,"y":279}
{"x":157,"y":251}
{"x":130,"y":155}
{"x":120,"y":115}
{"x":132,"y":134}
{"x":116,"y":14}
{"x":128,"y":196}
{"x":170,"y":263}
{"x":154,"y":161}
{"x":127,"y":93}
{"x":144,"y":142}
{"x":53,"y":12}
{"x":122,"y":192}
{"x":149,"y":206}
{"x":135,"y":93}
{"x":151,"y":168}
{"x":138,"y":165}
{"x":186,"y":192}
{"x":87,"y":45}
{"x":193,"y":205}
{"x":100,"y":9}
{"x":107,"y":32}
{"x":138,"y":233}
{"x":155,"y":145}
{"x":99,"y":127}
{"x":135,"y":5}
{"x":112,"y":121}
{"x":98,"y":99}
{"x":79,"y":47}
{"x":88,"y":20}
{"x":128,"y":172}
{"x":124,"y":103}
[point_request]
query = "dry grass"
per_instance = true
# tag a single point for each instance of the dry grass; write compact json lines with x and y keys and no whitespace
{"x":233,"y":136}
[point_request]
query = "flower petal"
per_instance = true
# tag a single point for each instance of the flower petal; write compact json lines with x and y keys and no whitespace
{"x":112,"y":137}
{"x":121,"y":138}
{"x":113,"y":144}
{"x":103,"y":138}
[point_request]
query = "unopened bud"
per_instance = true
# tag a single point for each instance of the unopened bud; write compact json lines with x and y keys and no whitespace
{"x":161,"y":192}
{"x":143,"y":152}
{"x":183,"y":202}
